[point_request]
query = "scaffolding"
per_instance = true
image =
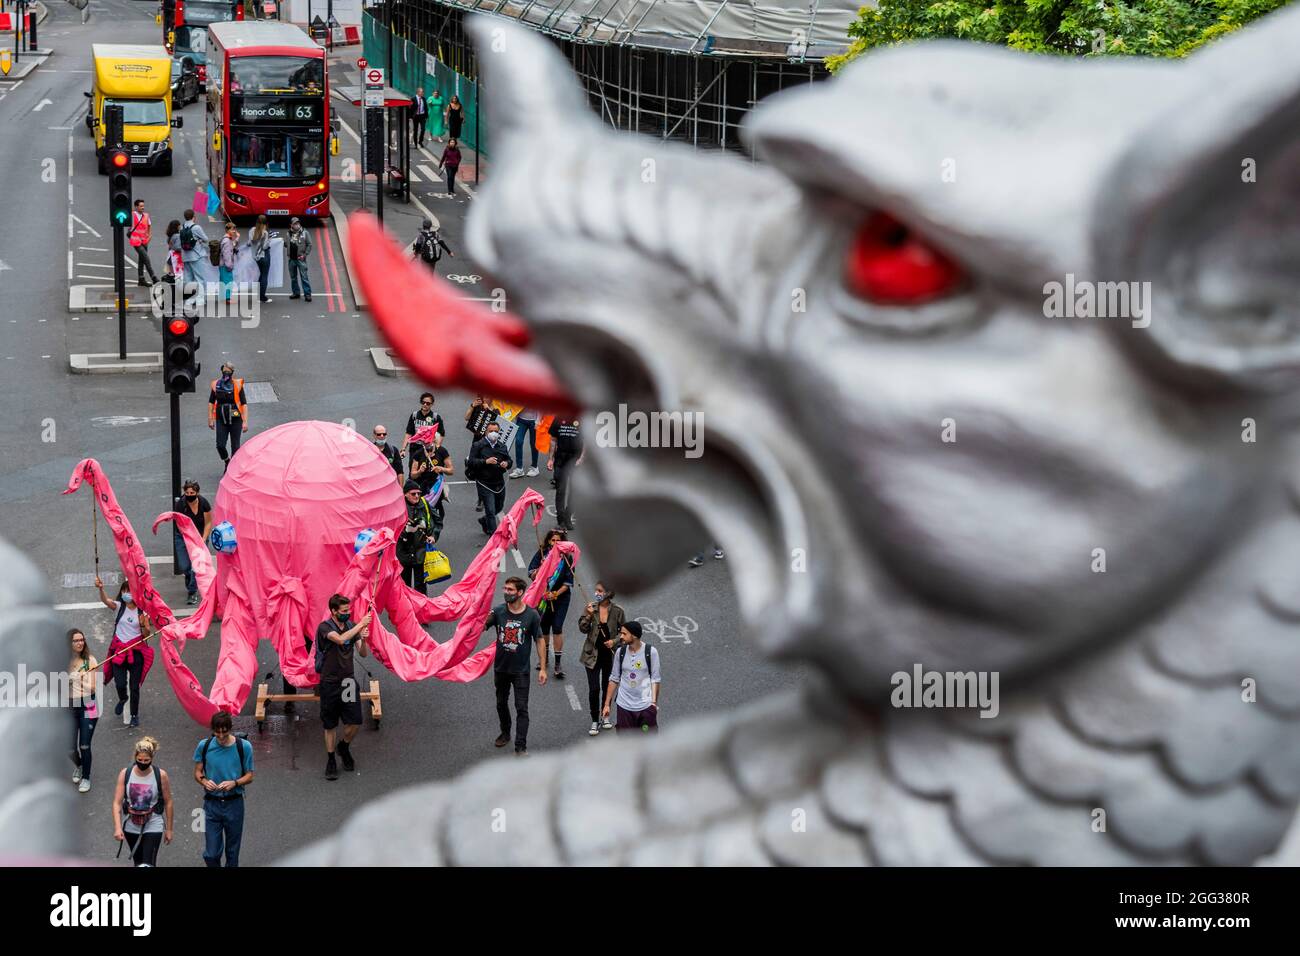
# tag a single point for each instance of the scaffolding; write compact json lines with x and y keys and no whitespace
{"x":650,"y":72}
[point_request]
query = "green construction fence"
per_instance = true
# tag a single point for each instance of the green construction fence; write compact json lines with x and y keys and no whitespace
{"x":414,"y":67}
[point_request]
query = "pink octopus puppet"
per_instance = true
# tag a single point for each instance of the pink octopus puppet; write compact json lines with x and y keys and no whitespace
{"x":308,"y":509}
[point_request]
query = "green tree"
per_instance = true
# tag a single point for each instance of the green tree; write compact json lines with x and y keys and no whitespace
{"x":1169,"y":28}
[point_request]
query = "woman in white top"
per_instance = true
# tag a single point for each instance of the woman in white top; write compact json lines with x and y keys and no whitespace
{"x":129,"y":654}
{"x":144,"y":797}
{"x":82,"y":684}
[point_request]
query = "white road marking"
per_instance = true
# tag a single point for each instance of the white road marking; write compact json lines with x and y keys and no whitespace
{"x":89,"y":228}
{"x":92,"y":249}
{"x":573,"y":696}
{"x":428,"y":171}
{"x":41,"y":105}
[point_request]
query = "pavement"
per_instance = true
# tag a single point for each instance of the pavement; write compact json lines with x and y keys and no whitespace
{"x":314,"y":361}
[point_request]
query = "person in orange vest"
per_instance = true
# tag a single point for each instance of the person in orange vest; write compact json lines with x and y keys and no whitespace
{"x":227,"y":413}
{"x":141,"y":233}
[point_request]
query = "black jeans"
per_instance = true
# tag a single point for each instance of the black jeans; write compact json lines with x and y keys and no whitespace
{"x":414,"y":576}
{"x":418,"y":128}
{"x":597,"y":680}
{"x":84,"y":730}
{"x":129,"y":675}
{"x":234,"y":431}
{"x":493,"y":502}
{"x":144,"y":847}
{"x":263,"y":270}
{"x":143,"y":264}
{"x":520,"y":683}
{"x":451,"y":178}
{"x":563,"y":502}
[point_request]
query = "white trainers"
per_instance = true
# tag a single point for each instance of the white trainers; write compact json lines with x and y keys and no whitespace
{"x":717,"y":553}
{"x":532,"y":472}
{"x":606,"y":724}
{"x":76,"y":775}
{"x":517,"y":473}
{"x":595,"y":729}
{"x":695,"y":562}
{"x":84,"y":786}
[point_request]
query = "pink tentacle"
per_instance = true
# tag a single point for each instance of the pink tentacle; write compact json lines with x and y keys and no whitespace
{"x":286,"y":608}
{"x":205,"y":573}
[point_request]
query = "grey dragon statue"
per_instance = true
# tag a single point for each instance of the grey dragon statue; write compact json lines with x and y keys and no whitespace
{"x":1100,"y":510}
{"x":963,"y":482}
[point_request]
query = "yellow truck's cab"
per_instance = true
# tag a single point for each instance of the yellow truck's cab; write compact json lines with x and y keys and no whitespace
{"x":139,"y":77}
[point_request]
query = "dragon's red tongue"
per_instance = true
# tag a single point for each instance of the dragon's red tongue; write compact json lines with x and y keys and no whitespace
{"x":447,"y":340}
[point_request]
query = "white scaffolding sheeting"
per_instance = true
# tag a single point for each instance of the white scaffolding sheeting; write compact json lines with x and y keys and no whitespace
{"x":791,"y":28}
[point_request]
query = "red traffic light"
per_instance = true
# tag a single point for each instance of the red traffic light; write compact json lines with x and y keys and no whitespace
{"x":178,"y":326}
{"x":120,"y":159}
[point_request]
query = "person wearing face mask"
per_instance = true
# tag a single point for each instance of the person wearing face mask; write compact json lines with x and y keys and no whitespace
{"x":223,"y":767}
{"x":197,"y":508}
{"x":601,"y":621}
{"x":227,"y":412}
{"x":518,"y":628}
{"x":488,"y":463}
{"x":144,"y":797}
{"x":129,"y":653}
{"x":340,"y":695}
{"x":394,"y":456}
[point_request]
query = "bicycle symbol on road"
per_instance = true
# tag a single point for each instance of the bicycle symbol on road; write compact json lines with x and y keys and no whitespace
{"x":462,"y":279}
{"x":679,"y":629}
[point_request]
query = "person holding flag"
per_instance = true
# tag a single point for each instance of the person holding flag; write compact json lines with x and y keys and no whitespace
{"x":129,"y":654}
{"x":554,"y":606}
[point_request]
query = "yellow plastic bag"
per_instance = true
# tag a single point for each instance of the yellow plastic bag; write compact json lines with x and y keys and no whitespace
{"x":437,"y":567}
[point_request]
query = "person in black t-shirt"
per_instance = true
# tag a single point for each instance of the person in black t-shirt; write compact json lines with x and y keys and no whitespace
{"x":427,"y":463}
{"x":566,"y":454}
{"x":518,"y":627}
{"x":198,"y":510}
{"x":488,"y":463}
{"x":340,"y":695}
{"x":421,"y":417}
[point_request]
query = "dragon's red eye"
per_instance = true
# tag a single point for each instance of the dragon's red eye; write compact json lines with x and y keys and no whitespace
{"x":891,"y":265}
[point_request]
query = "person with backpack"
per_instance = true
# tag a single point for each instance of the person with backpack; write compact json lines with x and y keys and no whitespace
{"x":449,"y":162}
{"x":227,"y":412}
{"x":175,"y":268}
{"x":83,"y":673}
{"x":226,"y":260}
{"x":141,"y":233}
{"x":144,"y":798}
{"x":636,"y":678}
{"x":422,"y":417}
{"x":129,"y":653}
{"x":194,"y":246}
{"x":429,"y":246}
{"x":223,"y":767}
{"x":415,"y":538}
{"x":340,"y":696}
{"x":487,"y":465}
{"x":299,"y":250}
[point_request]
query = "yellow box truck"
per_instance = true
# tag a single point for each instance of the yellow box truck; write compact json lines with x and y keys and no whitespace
{"x":138,"y":78}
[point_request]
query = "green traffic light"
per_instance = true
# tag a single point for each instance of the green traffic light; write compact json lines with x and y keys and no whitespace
{"x":121,"y":217}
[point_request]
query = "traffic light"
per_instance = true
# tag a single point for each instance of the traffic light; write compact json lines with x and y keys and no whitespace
{"x":119,"y":187}
{"x":180,"y":350}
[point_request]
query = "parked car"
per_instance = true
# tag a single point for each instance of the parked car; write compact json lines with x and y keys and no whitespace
{"x":185,"y":82}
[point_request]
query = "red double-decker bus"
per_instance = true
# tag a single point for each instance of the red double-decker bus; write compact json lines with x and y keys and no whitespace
{"x":268,"y":120}
{"x":185,"y":27}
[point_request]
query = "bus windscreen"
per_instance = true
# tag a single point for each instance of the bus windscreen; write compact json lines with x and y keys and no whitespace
{"x":276,"y":74}
{"x":276,"y":154}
